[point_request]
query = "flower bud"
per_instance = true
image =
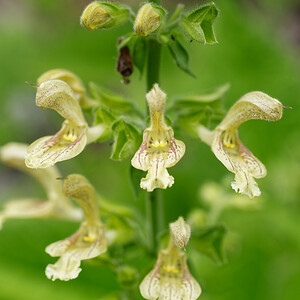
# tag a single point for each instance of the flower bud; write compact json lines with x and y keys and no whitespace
{"x":127,"y":276}
{"x":103,"y":15}
{"x":181,"y":232}
{"x":148,"y":19}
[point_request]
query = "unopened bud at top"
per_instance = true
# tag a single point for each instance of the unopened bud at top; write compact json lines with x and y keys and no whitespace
{"x":148,"y":19}
{"x":181,"y":232}
{"x":156,"y":99}
{"x":103,"y":15}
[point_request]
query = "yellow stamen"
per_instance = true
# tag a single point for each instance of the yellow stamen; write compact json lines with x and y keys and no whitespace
{"x":170,"y":269}
{"x":89,"y":238}
{"x":229,"y":139}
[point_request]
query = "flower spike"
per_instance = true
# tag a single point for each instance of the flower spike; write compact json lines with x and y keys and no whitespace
{"x":56,"y":205}
{"x":88,"y":242}
{"x":170,"y":278}
{"x":72,"y":138}
{"x":228,"y":148}
{"x":159,"y":149}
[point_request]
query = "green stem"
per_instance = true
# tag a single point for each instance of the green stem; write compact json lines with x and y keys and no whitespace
{"x":153,"y":63}
{"x":154,"y":199}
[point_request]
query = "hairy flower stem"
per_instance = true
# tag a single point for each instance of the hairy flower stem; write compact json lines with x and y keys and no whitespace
{"x":154,"y":199}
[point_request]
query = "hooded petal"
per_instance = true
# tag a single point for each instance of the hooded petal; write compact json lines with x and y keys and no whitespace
{"x":80,"y":189}
{"x":65,"y":144}
{"x":242,"y":162}
{"x":61,"y":74}
{"x":73,"y":81}
{"x":58,"y":95}
{"x":254,"y":105}
{"x":190,"y":288}
{"x":150,"y":286}
{"x":73,"y":250}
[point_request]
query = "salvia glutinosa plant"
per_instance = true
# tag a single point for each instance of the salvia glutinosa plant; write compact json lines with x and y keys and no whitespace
{"x":149,"y":140}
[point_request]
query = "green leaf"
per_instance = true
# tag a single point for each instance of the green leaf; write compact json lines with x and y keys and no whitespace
{"x":190,"y":122}
{"x":128,"y":40}
{"x":205,"y":109}
{"x":209,"y":241}
{"x":110,"y":99}
{"x":198,"y":100}
{"x":180,"y":56}
{"x":199,"y":24}
{"x":139,"y":53}
{"x":106,"y":117}
{"x":127,"y":138}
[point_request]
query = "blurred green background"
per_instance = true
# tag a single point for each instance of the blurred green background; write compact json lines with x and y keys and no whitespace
{"x":259,"y":43}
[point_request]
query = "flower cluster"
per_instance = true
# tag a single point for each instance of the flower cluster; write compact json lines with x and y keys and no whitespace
{"x":121,"y":121}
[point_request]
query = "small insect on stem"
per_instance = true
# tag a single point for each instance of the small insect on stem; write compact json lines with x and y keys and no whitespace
{"x":124,"y":63}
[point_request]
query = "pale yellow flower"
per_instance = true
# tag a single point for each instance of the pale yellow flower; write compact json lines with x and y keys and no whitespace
{"x":88,"y":242}
{"x":72,"y":138}
{"x":57,"y":204}
{"x":170,"y":278}
{"x":228,"y":148}
{"x":159,"y":149}
{"x":73,"y":81}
